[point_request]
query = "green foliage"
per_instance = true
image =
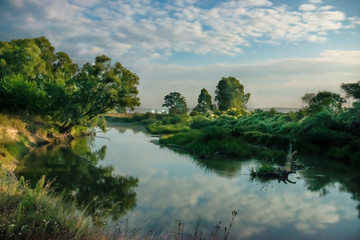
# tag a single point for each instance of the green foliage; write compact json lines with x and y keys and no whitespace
{"x":36,"y":80}
{"x":176,"y":103}
{"x":230,"y":94}
{"x":204,"y":102}
{"x":158,"y":128}
{"x":37,"y":213}
{"x":207,"y":141}
{"x":265,"y":167}
{"x":200,"y":121}
{"x":328,"y":135}
{"x":98,"y":88}
{"x":323,"y":101}
{"x":20,"y":95}
{"x":352,"y":90}
{"x":175,"y":119}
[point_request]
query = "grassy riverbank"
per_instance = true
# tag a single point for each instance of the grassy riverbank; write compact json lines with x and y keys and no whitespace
{"x":20,"y":133}
{"x":264,"y":134}
{"x":39,"y":213}
{"x":35,"y":213}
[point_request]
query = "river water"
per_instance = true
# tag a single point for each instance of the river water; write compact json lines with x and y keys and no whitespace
{"x":157,"y":186}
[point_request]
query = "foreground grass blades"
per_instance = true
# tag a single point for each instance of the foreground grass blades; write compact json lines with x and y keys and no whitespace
{"x":38,"y":213}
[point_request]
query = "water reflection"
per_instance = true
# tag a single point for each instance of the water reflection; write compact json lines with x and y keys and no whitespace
{"x":174,"y":185}
{"x":75,"y":169}
{"x":322,"y":174}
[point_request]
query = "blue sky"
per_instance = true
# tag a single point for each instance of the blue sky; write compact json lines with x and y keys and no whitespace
{"x":278,"y":49}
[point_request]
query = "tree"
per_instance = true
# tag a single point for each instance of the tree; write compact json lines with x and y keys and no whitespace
{"x":176,"y":103}
{"x":323,"y":101}
{"x":352,"y":90}
{"x":20,"y":95}
{"x":230,"y":94}
{"x":96,"y":89}
{"x":204,"y":102}
{"x":28,"y":64}
{"x":35,"y":79}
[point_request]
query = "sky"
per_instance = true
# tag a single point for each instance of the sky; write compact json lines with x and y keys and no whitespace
{"x":278,"y":49}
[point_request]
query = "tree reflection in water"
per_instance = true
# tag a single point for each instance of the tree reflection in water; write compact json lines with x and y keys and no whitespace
{"x":319,"y":174}
{"x":75,"y":170}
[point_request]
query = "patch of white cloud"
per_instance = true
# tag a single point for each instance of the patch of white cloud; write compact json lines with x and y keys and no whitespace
{"x":354,"y":22}
{"x":307,"y":7}
{"x":315,"y":1}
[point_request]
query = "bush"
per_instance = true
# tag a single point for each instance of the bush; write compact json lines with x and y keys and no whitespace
{"x":200,"y":121}
{"x":157,"y":128}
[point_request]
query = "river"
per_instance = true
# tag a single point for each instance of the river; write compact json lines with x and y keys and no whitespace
{"x":156,"y":186}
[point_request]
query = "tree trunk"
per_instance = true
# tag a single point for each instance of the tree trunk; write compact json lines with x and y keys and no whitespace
{"x":66,"y":128}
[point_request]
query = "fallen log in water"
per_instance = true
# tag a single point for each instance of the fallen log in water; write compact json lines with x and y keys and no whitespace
{"x":277,"y":174}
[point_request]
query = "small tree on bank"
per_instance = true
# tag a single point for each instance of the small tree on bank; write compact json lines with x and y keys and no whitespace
{"x":176,"y":103}
{"x":204,"y":102}
{"x":230,"y":94}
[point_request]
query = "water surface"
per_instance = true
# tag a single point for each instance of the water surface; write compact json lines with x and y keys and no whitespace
{"x":157,"y":186}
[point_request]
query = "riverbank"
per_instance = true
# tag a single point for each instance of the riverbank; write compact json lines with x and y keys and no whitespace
{"x":19,"y":134}
{"x":35,"y":213}
{"x":264,"y":134}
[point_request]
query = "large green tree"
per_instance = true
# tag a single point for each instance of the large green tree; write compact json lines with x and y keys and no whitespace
{"x":323,"y":101}
{"x":176,"y":103}
{"x":37,"y":80}
{"x":204,"y":102}
{"x":33,"y":77}
{"x":230,"y":94}
{"x":96,"y":89}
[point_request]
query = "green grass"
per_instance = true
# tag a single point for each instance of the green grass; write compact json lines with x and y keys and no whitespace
{"x":158,"y":128}
{"x":39,"y":213}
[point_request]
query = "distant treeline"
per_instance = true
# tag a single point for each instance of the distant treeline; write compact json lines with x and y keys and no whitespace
{"x":323,"y":127}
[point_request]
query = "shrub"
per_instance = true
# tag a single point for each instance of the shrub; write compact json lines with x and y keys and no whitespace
{"x":200,"y":121}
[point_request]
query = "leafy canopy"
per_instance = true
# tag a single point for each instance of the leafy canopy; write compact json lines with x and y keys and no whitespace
{"x":98,"y":88}
{"x":36,"y":80}
{"x":323,"y":101}
{"x":352,"y":90}
{"x":176,"y":103}
{"x":230,"y":94}
{"x":204,"y":102}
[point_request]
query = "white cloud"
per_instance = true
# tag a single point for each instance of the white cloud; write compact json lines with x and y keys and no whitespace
{"x":315,"y":1}
{"x":354,"y":21}
{"x":307,"y":7}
